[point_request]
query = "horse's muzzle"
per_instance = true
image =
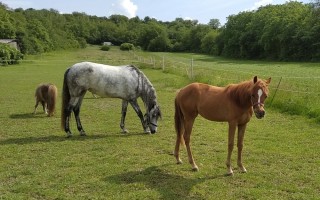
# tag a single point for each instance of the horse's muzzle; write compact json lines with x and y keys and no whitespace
{"x":260,"y":114}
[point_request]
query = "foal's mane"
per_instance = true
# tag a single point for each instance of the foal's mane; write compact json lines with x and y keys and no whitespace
{"x":148,"y":93}
{"x":240,"y":93}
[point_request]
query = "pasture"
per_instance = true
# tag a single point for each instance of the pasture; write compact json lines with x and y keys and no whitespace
{"x":37,"y":161}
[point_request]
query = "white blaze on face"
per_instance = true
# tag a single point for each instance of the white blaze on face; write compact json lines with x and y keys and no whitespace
{"x":259,"y":95}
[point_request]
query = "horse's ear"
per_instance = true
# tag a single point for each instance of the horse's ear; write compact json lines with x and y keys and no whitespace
{"x":255,"y":79}
{"x":268,"y":80}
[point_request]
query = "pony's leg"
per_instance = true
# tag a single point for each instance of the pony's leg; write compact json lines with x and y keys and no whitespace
{"x":136,"y":108}
{"x":186,"y":136}
{"x":35,"y":107}
{"x":76,"y":111}
{"x":123,"y":116}
{"x":241,"y":131}
{"x":232,"y":130}
{"x":44,"y":106}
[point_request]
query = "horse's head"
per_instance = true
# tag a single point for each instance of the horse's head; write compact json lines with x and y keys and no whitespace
{"x":259,"y":94}
{"x":152,"y":117}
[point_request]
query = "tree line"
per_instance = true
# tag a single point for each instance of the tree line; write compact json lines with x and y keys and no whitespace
{"x":278,"y":32}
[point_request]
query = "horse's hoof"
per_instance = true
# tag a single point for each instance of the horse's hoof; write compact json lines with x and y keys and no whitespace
{"x":69,"y":135}
{"x":195,"y":169}
{"x":124,"y":131}
{"x":230,"y":173}
{"x":242,"y":169}
{"x":179,"y":162}
{"x":147,"y":132}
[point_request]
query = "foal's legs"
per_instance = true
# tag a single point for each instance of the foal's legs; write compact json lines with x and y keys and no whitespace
{"x":123,"y":116}
{"x":232,"y":130}
{"x":136,"y":108}
{"x":186,"y":136}
{"x":241,"y":130}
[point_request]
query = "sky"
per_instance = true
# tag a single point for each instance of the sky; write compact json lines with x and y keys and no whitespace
{"x":163,"y":10}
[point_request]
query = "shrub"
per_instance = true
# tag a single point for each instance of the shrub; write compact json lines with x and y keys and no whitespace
{"x":105,"y":48}
{"x":9,"y":55}
{"x":126,"y":47}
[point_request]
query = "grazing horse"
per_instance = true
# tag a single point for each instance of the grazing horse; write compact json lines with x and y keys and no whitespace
{"x":46,"y":94}
{"x":234,"y":104}
{"x":125,"y":82}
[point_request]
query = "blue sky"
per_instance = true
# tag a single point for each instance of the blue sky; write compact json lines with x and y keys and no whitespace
{"x":164,"y":10}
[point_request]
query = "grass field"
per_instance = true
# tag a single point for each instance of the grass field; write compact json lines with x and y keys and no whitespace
{"x":37,"y":161}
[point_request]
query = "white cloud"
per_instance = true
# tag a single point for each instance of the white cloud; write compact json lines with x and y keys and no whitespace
{"x":260,"y":3}
{"x":124,"y":7}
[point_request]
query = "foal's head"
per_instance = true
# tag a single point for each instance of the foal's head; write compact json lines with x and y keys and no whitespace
{"x":259,"y":94}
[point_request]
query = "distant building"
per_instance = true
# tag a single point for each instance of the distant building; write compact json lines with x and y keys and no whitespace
{"x":107,"y":43}
{"x":12,"y":42}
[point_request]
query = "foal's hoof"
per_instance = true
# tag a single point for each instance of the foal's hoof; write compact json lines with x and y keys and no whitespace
{"x":229,"y":172}
{"x":195,"y":169}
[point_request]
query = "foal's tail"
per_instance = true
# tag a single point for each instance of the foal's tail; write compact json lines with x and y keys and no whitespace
{"x":52,"y":99}
{"x":178,"y":121}
{"x":65,"y":99}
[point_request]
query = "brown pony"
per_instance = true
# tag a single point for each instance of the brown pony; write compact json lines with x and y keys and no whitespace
{"x":234,"y":104}
{"x":46,"y":94}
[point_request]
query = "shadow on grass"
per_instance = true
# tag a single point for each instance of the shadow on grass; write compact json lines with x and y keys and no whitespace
{"x":62,"y":138}
{"x":27,"y":115}
{"x":170,"y":186}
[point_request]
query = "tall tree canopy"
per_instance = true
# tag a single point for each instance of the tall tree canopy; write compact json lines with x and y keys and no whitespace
{"x":279,"y":32}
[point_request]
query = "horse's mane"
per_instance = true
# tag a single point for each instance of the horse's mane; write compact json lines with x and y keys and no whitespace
{"x":148,"y":92}
{"x":240,"y":93}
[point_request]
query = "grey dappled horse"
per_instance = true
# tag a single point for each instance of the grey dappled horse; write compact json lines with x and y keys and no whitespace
{"x":125,"y":82}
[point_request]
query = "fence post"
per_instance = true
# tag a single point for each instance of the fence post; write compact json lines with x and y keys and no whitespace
{"x":192,"y":68}
{"x":162,"y":63}
{"x":275,"y":91}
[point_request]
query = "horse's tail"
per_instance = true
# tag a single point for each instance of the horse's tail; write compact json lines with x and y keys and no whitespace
{"x":52,"y":99}
{"x":65,"y":99}
{"x":178,"y":121}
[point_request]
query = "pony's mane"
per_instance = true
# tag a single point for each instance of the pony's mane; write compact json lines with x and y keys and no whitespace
{"x":148,"y":92}
{"x":240,"y":92}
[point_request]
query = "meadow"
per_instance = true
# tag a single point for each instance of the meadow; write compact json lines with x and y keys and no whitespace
{"x":37,"y":161}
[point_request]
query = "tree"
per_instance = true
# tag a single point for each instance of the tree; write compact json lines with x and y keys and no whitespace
{"x":214,"y":23}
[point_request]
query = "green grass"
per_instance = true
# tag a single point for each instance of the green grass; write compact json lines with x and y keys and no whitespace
{"x":37,"y":161}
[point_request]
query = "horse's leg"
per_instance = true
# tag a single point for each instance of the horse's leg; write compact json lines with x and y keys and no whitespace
{"x":76,"y":111}
{"x":136,"y":108}
{"x":188,"y":124}
{"x":123,"y":116}
{"x":72,"y":103}
{"x":68,"y":111}
{"x":241,"y":131}
{"x":232,"y":130}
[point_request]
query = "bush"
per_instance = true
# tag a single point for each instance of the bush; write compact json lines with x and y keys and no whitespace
{"x":105,"y":48}
{"x":126,"y":47}
{"x":9,"y":55}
